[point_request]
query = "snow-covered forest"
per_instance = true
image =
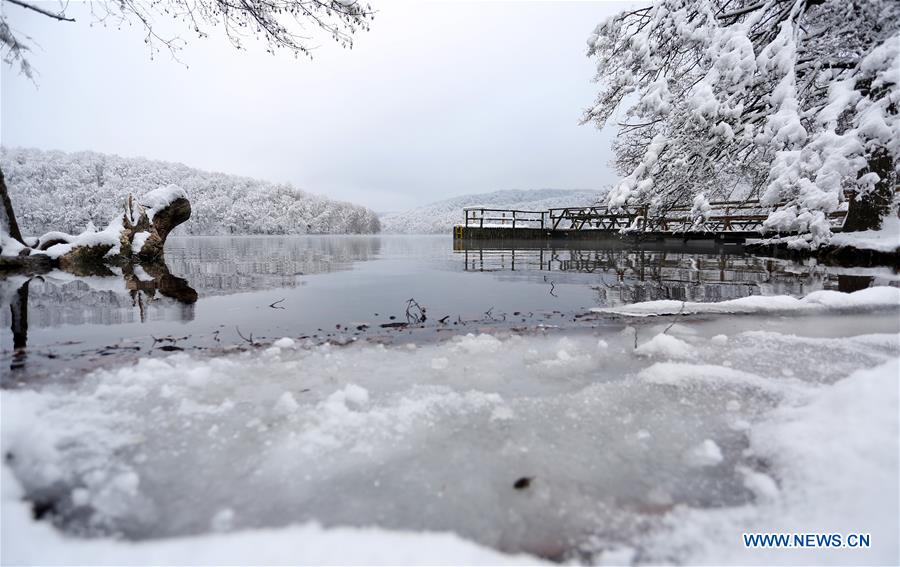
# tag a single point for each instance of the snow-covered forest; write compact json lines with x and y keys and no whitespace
{"x":440,"y":217}
{"x":791,"y":101}
{"x":60,"y":191}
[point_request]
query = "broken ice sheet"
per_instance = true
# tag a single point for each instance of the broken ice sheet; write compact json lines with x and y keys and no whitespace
{"x":616,"y":443}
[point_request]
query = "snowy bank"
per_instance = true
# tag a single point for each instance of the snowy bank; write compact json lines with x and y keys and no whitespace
{"x":885,"y":240}
{"x":655,"y":454}
{"x":882,"y":297}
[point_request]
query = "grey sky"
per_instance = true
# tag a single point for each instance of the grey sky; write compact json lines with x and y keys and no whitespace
{"x":438,"y":99}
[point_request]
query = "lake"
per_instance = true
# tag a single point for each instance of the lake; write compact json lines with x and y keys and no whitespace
{"x":220,"y":291}
{"x":433,"y":385}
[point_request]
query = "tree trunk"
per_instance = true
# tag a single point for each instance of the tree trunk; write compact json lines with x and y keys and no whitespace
{"x":7,"y":215}
{"x":867,"y":210}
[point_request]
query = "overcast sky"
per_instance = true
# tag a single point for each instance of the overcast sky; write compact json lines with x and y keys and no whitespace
{"x":438,"y":99}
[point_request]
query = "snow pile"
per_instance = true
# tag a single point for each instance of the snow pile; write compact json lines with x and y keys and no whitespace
{"x":663,"y":345}
{"x":885,"y":240}
{"x":836,"y":461}
{"x":881,"y":297}
{"x":619,"y":448}
{"x":442,"y":216}
{"x":64,"y":191}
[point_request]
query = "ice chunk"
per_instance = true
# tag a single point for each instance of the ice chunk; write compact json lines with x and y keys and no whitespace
{"x":286,"y":404}
{"x":666,"y":346}
{"x":706,"y":454}
{"x":284,"y":342}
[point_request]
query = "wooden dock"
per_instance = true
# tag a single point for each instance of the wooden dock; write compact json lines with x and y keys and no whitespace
{"x":728,"y":221}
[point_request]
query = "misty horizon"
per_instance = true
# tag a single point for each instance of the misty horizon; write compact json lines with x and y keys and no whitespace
{"x":437,"y":101}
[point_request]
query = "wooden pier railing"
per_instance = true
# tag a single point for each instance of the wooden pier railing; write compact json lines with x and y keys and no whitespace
{"x":723,"y":217}
{"x":504,"y":218}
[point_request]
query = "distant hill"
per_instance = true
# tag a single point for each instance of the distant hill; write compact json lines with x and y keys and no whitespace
{"x":54,"y":190}
{"x":443,"y":215}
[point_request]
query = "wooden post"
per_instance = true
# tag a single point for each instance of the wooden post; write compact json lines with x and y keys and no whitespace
{"x":481,"y":224}
{"x":514,"y":225}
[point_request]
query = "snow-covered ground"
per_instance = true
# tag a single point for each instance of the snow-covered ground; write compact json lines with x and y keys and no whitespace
{"x":659,"y":443}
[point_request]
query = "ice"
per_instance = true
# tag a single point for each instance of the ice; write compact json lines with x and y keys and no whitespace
{"x":651,"y":459}
{"x":706,"y":454}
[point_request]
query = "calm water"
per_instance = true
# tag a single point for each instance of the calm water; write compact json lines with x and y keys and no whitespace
{"x":339,"y":287}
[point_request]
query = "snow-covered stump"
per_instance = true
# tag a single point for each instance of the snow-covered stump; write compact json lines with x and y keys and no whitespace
{"x":144,"y":238}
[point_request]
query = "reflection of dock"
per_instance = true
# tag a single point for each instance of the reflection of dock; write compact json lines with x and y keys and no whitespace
{"x":625,"y":274}
{"x":723,"y":221}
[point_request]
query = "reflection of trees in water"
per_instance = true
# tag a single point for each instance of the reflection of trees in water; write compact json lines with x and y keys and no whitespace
{"x":629,"y":276}
{"x":139,"y":293}
{"x":221,"y":265}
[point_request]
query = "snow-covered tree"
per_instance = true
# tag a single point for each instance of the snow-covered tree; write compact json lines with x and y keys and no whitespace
{"x":280,"y":24}
{"x":63,"y":191}
{"x":795,"y":102}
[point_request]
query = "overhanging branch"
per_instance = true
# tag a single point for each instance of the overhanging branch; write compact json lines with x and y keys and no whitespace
{"x":60,"y":16}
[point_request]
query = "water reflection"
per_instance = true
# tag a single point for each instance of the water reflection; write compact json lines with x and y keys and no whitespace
{"x":223,"y":265}
{"x":165,"y":293}
{"x":105,"y":295}
{"x":621,"y":275}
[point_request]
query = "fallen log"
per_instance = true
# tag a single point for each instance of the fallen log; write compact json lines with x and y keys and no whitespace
{"x":139,"y":235}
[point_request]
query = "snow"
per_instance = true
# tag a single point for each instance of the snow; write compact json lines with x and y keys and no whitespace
{"x":667,"y":346}
{"x":106,"y":237}
{"x":284,"y":342}
{"x":160,"y":198}
{"x":822,"y":300}
{"x":836,"y":459}
{"x":734,"y":115}
{"x":137,"y":243}
{"x":336,"y":454}
{"x":9,"y":246}
{"x":885,"y":240}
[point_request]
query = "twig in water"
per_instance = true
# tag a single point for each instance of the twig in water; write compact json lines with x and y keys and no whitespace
{"x":250,"y":340}
{"x":490,"y":315}
{"x":552,"y":286}
{"x":675,"y":320}
{"x":415,"y":313}
{"x":275,"y":304}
